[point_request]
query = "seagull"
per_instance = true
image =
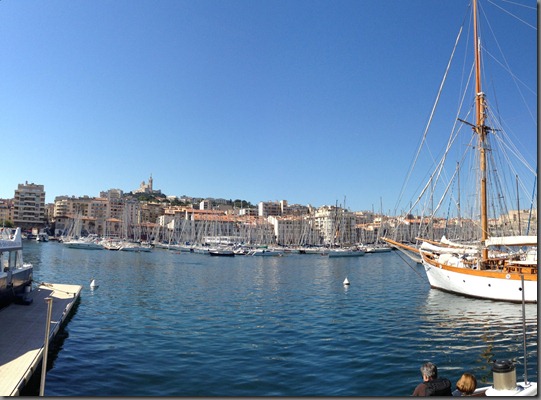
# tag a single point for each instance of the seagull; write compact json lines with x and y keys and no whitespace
{"x":346,"y":282}
{"x":93,"y":284}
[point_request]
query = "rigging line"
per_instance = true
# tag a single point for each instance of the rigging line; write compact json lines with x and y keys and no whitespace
{"x":519,"y":4}
{"x":513,"y":15}
{"x":511,"y":148}
{"x":531,"y":204}
{"x":512,"y":169}
{"x":451,"y":181}
{"x":514,"y":151}
{"x":409,"y":265}
{"x":448,"y":213}
{"x":508,"y":70}
{"x":433,"y":111}
{"x":516,"y":81}
{"x":435,"y":175}
{"x":451,"y":140}
{"x":444,"y":195}
{"x":506,"y":66}
{"x":440,"y":170}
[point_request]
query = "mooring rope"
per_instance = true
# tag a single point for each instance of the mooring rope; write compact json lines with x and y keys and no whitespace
{"x":409,"y":265}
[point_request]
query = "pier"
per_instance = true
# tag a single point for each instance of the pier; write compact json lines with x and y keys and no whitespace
{"x":23,"y":333}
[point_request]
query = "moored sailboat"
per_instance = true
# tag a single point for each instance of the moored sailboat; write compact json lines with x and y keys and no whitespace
{"x":345,"y":252}
{"x":492,"y":265}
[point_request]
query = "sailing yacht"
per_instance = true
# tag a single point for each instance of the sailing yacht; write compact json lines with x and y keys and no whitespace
{"x":496,"y":264}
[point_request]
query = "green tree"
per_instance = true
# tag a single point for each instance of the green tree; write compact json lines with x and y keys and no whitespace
{"x":7,"y":224}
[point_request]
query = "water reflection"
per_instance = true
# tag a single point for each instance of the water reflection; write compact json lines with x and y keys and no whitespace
{"x":483,"y":330}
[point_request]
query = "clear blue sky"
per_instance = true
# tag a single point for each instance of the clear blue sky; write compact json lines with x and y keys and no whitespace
{"x":309,"y":101}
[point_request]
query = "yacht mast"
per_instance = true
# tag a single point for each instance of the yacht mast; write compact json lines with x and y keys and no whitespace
{"x":481,"y":130}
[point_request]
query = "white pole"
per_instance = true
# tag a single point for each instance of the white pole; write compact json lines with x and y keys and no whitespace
{"x":49,"y":301}
{"x":524,"y":333}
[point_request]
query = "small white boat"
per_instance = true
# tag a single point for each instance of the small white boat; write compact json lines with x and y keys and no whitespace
{"x":221,"y":252}
{"x":83,"y":243}
{"x":198,"y":249}
{"x":111,"y":244}
{"x":377,"y":249}
{"x":345,"y":253}
{"x":134,"y":247}
{"x":314,"y":250}
{"x":185,"y":248}
{"x":268,"y":253}
{"x":42,"y":237}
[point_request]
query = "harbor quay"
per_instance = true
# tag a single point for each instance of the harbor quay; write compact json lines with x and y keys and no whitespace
{"x":24,"y":328}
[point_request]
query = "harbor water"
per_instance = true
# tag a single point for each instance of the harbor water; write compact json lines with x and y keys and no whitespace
{"x":165,"y":323}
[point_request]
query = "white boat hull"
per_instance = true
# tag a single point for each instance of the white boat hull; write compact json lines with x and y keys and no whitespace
{"x":345,"y":253}
{"x":135,"y":248}
{"x":83,"y":245}
{"x":523,"y":389}
{"x":268,"y":253}
{"x":475,"y":284}
{"x":378,"y":249}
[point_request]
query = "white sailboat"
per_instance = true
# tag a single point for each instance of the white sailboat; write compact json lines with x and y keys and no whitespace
{"x":492,"y":265}
{"x":74,"y":240}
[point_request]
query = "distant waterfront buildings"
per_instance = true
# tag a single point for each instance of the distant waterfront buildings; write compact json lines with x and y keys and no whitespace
{"x":117,"y":214}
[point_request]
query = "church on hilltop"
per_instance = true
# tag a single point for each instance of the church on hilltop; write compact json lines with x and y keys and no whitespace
{"x":147,"y":187}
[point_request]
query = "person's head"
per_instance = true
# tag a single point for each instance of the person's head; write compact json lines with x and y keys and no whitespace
{"x":467,"y":383}
{"x":429,"y":371}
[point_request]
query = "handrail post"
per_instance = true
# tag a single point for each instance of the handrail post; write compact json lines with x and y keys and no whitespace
{"x":49,"y":301}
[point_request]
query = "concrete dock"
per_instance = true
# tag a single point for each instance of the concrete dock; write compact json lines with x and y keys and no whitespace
{"x":22,"y":333}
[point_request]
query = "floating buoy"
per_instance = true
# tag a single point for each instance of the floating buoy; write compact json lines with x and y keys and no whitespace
{"x":93,"y":284}
{"x":346,"y":282}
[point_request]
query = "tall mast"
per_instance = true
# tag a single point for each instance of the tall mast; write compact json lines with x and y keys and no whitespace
{"x":481,"y":130}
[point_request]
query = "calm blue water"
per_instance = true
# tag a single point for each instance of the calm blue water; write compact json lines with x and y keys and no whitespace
{"x":170,"y":324}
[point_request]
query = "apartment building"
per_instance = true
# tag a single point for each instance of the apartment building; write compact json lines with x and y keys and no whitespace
{"x":336,"y":225}
{"x":150,"y":212}
{"x":267,"y":208}
{"x":29,"y":206}
{"x":6,"y":211}
{"x":91,"y":211}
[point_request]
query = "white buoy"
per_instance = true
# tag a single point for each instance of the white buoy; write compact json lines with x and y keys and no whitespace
{"x":93,"y":284}
{"x":346,"y":282}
